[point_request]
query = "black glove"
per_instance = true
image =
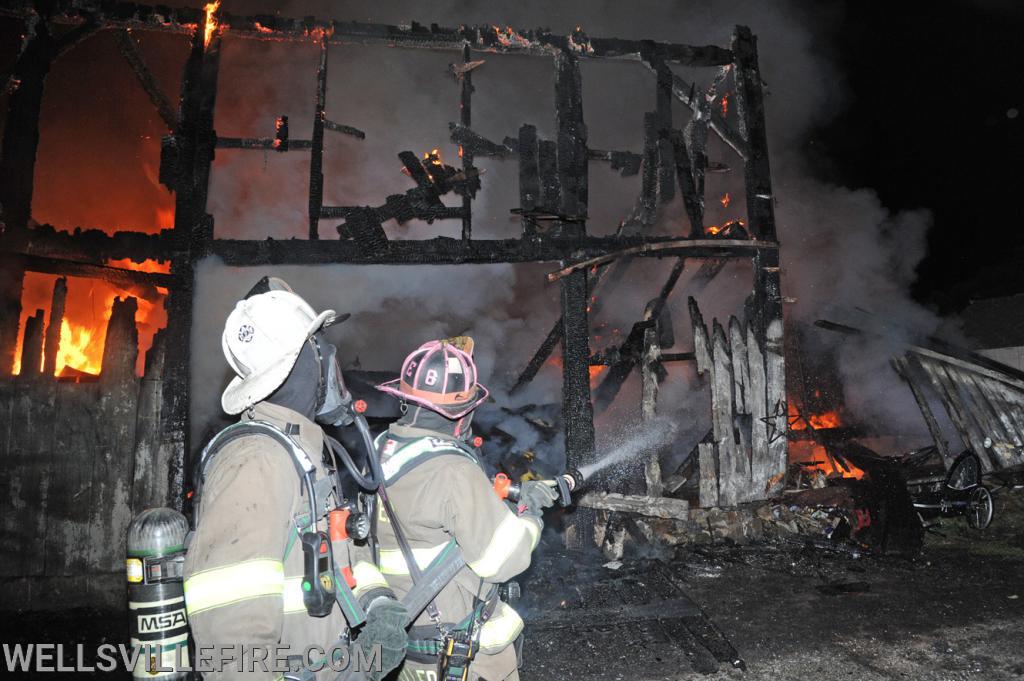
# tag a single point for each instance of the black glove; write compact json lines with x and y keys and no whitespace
{"x":385,"y":624}
{"x":535,"y":496}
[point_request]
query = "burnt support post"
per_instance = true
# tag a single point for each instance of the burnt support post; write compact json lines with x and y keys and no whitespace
{"x":466,"y":118}
{"x":767,"y":319}
{"x":571,"y":143}
{"x":17,"y":173}
{"x":193,"y":232}
{"x":52,"y":346}
{"x":316,"y":161}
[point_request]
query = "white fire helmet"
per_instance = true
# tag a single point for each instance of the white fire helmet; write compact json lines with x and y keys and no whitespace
{"x":262,"y":339}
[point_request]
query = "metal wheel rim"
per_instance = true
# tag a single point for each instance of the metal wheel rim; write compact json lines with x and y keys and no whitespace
{"x":980,"y":514}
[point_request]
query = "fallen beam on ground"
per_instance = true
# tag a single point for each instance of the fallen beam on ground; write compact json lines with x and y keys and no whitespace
{"x":655,"y":507}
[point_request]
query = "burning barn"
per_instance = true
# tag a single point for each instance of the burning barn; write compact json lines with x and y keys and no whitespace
{"x":730,"y":426}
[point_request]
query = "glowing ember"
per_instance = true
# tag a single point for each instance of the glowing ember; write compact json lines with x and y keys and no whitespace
{"x":211,"y":21}
{"x":725,"y":104}
{"x":509,"y":38}
{"x":263,"y":29}
{"x":319,"y":33}
{"x":433,"y":157}
{"x":725,"y":200}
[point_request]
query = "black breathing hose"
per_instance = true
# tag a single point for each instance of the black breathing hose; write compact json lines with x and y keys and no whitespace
{"x":376,"y":478}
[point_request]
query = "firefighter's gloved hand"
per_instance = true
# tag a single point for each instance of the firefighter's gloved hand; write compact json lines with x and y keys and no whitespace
{"x":535,"y":496}
{"x":385,"y":624}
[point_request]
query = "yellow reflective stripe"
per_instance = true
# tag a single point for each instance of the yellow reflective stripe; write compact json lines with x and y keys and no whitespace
{"x":393,"y":563}
{"x":505,"y":541}
{"x":367,"y":577}
{"x":232,"y":583}
{"x":534,"y":529}
{"x":291,"y":595}
{"x":501,"y":629}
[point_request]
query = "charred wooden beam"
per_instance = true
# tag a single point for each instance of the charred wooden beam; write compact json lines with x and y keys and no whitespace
{"x":626,"y":162}
{"x":686,"y":93}
{"x":445,"y":251}
{"x":649,"y":175}
{"x":32,"y":346}
{"x":121,"y":346}
{"x":192,"y":236}
{"x":539,"y":357}
{"x":466,"y":119}
{"x":654,"y":507}
{"x":529,"y":192}
{"x":663,"y":122}
{"x":114,"y":275}
{"x":627,"y":353}
{"x":650,"y":368}
{"x":52,"y":346}
{"x":484,"y":38}
{"x":572,"y":178}
{"x":729,"y":248}
{"x":133,"y":55}
{"x":344,"y":129}
{"x":750,"y":110}
{"x":693,"y":201}
{"x":316,"y":161}
{"x":90,"y":245}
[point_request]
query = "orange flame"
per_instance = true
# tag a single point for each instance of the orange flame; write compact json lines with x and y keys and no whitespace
{"x":87,"y":311}
{"x":813,"y":455}
{"x":725,"y":105}
{"x":74,"y":350}
{"x":725,"y":200}
{"x":260,"y":28}
{"x":211,"y":21}
{"x":715,"y":229}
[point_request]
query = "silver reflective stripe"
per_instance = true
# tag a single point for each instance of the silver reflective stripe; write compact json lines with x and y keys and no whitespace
{"x":393,"y":563}
{"x":291,"y":595}
{"x":506,"y":540}
{"x":392,"y":463}
{"x":501,"y":629}
{"x":367,"y":577}
{"x":232,"y":583}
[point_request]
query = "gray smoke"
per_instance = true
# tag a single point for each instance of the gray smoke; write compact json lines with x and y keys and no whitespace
{"x":842,"y":249}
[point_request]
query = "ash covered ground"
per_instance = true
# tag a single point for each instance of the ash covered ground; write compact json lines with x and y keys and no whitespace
{"x":955,"y":612}
{"x":790,"y":612}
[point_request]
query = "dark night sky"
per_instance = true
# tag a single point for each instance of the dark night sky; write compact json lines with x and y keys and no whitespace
{"x":928,"y":126}
{"x":929,"y":123}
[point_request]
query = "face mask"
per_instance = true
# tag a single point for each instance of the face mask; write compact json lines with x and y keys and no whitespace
{"x":335,"y":407}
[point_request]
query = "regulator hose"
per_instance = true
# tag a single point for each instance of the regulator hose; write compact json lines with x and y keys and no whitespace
{"x":376,"y":476}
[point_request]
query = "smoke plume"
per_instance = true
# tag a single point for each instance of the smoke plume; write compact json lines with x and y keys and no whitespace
{"x":842,"y":250}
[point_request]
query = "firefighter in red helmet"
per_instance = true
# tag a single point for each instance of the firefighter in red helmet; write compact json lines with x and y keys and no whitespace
{"x":439,"y":493}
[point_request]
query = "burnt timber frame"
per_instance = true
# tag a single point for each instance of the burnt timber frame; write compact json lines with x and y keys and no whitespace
{"x":553,"y":184}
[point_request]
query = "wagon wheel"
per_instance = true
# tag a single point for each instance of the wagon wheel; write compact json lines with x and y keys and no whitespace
{"x":979,"y":512}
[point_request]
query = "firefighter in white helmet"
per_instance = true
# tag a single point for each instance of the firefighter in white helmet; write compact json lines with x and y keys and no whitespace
{"x":439,"y":493}
{"x":261,"y":479}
